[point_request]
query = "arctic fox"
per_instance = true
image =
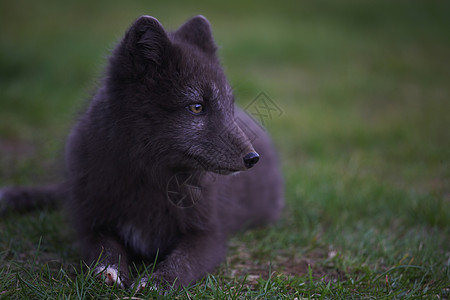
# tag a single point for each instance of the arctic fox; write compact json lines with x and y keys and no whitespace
{"x":162,"y":163}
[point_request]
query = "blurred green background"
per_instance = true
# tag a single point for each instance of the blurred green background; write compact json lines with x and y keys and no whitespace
{"x":364,"y":87}
{"x":365,"y":82}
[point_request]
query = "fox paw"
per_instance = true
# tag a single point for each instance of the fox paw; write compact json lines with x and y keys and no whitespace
{"x":142,"y":285}
{"x":109,"y":275}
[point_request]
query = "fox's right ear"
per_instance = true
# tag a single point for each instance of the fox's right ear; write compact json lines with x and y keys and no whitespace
{"x":146,"y":40}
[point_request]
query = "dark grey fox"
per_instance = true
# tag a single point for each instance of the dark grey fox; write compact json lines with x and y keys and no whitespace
{"x":153,"y":166}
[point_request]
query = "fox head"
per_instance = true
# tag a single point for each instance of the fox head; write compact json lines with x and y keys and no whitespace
{"x":172,"y":100}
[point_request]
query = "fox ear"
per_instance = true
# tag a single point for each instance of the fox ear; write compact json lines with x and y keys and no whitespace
{"x":146,"y":39}
{"x":197,"y":31}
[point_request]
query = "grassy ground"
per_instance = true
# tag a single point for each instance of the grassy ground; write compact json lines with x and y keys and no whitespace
{"x":363,"y":135}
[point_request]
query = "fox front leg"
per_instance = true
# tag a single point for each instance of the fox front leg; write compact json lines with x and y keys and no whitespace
{"x":189,"y":261}
{"x":109,"y":258}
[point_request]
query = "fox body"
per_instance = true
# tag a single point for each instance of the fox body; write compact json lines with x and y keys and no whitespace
{"x":162,"y":163}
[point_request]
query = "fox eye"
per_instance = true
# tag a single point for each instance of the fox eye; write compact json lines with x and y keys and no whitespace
{"x":196,"y":109}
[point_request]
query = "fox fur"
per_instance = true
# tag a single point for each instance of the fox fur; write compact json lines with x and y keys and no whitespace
{"x":162,"y":162}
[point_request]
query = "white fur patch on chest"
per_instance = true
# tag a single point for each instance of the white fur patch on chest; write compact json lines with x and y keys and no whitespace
{"x":134,"y":238}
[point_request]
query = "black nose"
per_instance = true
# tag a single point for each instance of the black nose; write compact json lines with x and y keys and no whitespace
{"x":250,"y":159}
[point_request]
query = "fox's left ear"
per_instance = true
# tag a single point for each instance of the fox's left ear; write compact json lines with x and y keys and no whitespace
{"x":197,"y":31}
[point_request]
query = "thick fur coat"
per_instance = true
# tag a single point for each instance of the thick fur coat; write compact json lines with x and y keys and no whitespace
{"x":162,"y":163}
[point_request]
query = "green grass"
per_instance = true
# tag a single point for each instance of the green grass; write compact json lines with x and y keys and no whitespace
{"x":364,"y":141}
